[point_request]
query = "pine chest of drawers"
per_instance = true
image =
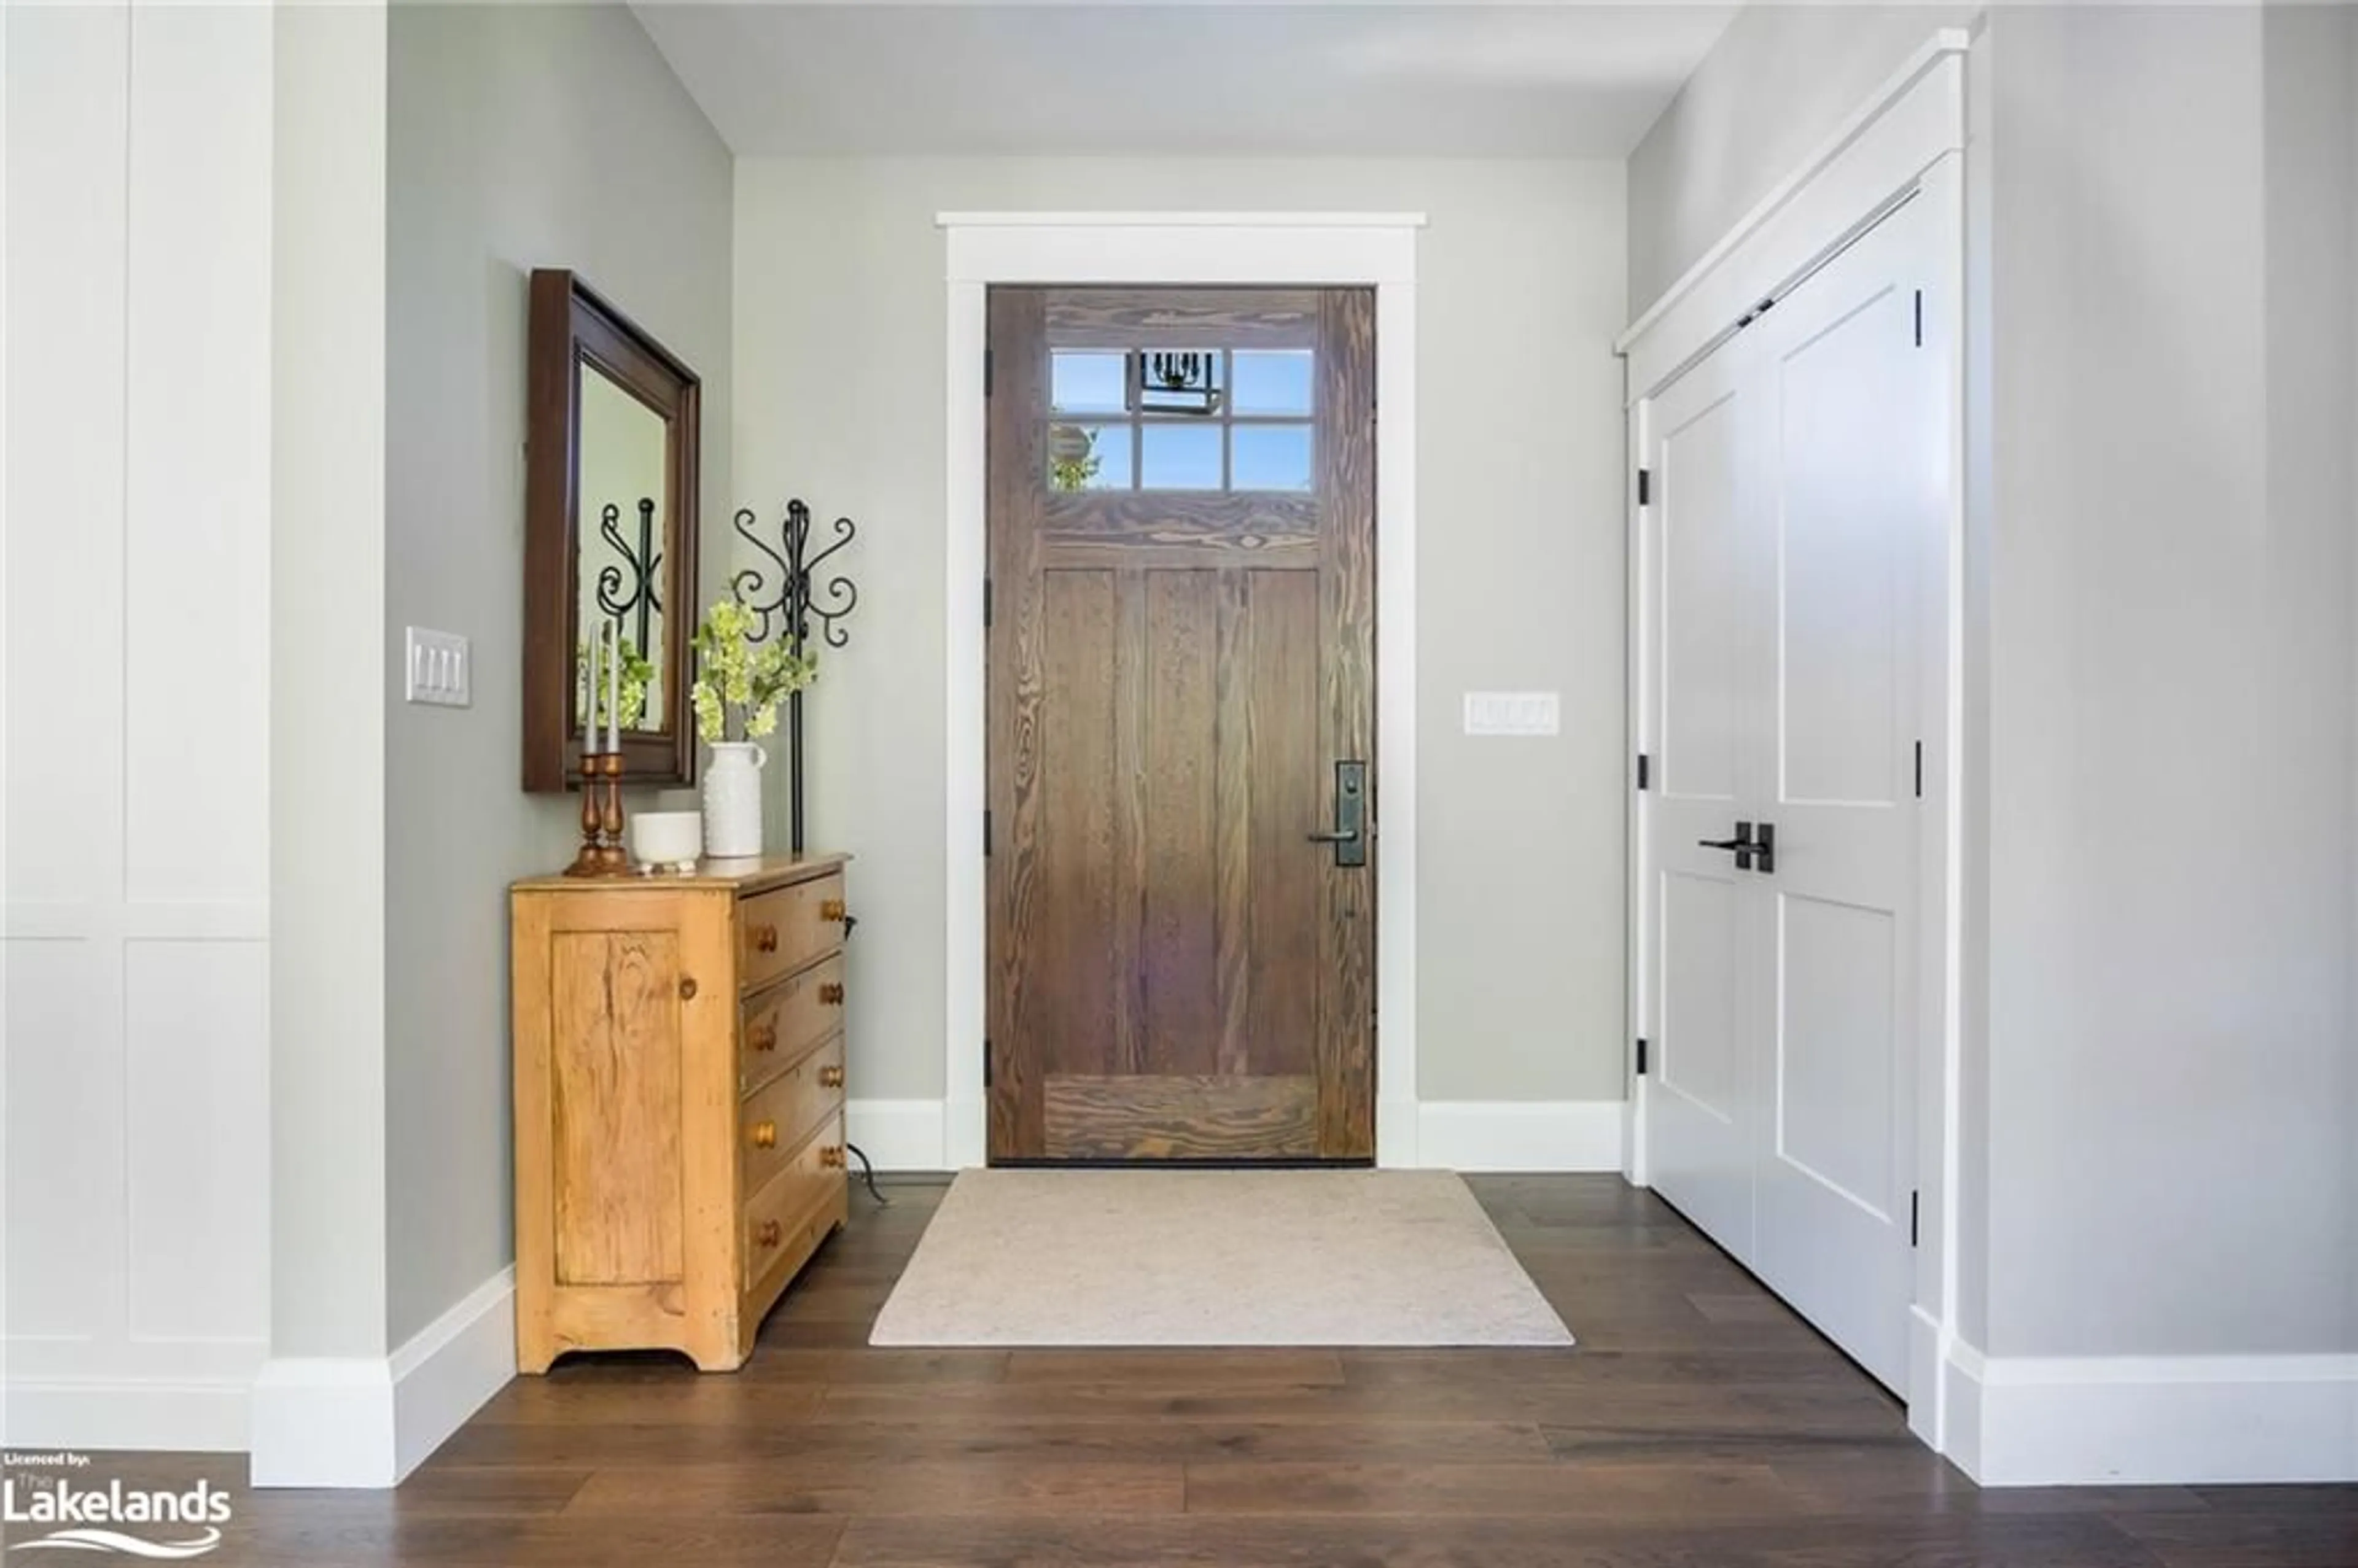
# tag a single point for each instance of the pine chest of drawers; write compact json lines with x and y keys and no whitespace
{"x":678,"y":1047}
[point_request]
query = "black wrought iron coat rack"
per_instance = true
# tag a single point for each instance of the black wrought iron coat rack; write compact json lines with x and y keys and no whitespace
{"x":791,"y":606}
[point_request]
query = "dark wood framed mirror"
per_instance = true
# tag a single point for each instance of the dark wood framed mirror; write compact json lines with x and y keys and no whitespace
{"x":611,"y":523}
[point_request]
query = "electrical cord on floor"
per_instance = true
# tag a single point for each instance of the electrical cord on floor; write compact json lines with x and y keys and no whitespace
{"x":868,"y":1175}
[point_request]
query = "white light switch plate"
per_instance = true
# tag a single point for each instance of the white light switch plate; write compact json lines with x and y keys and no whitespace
{"x":436,"y":664}
{"x":1511,"y":713}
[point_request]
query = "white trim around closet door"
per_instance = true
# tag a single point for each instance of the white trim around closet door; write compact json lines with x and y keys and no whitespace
{"x":1333,"y":250}
{"x":1915,"y":118}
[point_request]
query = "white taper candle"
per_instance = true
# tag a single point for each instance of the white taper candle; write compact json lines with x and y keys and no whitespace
{"x":614,"y":696}
{"x":586,"y":691}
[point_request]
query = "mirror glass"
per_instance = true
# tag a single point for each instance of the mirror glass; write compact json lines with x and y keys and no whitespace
{"x":625,"y":512}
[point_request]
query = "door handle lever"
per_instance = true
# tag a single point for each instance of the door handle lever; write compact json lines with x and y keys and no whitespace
{"x":1350,"y":815}
{"x":1742,"y":843}
{"x":1751,"y":854}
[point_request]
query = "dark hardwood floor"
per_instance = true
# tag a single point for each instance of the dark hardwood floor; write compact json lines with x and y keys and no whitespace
{"x":1698,"y":1422}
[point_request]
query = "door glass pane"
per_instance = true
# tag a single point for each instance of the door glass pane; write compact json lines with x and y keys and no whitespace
{"x":1080,"y":382}
{"x":1179,"y":380}
{"x":1180,"y":457}
{"x":1271,"y":457}
{"x":1273,"y":382}
{"x":1088,"y":457}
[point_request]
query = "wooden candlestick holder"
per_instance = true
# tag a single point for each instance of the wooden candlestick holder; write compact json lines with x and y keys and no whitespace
{"x":601,"y":853}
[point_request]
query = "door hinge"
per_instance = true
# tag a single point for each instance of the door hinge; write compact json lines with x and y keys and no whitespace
{"x":986,"y":603}
{"x":986,"y":1063}
{"x":985,"y":830}
{"x":1915,"y":1206}
{"x":1645,"y":487}
{"x":1641,"y":1056}
{"x":1920,"y":770}
{"x":1920,"y":318}
{"x":1645,"y":771}
{"x":988,"y":356}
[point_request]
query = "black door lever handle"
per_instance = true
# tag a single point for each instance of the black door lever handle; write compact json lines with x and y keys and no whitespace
{"x":1750,"y":855}
{"x":1742,"y":843}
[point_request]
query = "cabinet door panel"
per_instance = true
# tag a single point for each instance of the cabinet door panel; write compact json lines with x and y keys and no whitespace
{"x":614,"y":1095}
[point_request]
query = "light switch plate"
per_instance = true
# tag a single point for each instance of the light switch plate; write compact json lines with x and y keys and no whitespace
{"x":437,"y":668}
{"x":1511,"y":713}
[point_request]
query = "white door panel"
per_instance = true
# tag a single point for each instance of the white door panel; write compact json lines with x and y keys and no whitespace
{"x":1853,"y":484}
{"x":1701,"y":1109}
{"x":1780,"y":1115}
{"x":1702,"y":1118}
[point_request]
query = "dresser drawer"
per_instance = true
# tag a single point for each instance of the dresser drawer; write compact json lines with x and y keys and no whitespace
{"x":774,"y":1119}
{"x":781,"y":1023}
{"x":780,"y":931}
{"x":790,"y":1203}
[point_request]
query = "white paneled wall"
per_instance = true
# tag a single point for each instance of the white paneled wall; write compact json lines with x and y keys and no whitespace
{"x":134,"y":707}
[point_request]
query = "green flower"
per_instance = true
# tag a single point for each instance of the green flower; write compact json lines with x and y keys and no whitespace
{"x":638,"y":676}
{"x":738,"y":690}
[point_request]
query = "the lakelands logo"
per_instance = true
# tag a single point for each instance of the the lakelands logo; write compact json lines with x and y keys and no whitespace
{"x":158,"y":1523}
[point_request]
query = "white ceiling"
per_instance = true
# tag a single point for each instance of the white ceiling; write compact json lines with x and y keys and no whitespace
{"x":1198,"y":78}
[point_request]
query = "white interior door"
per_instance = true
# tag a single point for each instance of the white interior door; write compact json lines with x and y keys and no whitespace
{"x":1702,"y":1121}
{"x":1799,"y":478}
{"x":1855,"y":476}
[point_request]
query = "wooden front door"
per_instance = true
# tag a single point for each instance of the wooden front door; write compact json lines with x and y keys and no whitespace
{"x":1182,"y":701}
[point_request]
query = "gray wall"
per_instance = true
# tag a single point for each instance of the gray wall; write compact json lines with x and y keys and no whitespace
{"x":2159,"y":1050}
{"x":2169,"y":921}
{"x":519,"y":137}
{"x":840,"y":334}
{"x":1775,"y":86}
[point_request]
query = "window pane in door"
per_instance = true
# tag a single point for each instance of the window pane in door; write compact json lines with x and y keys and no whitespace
{"x":1270,"y":456}
{"x":1084,"y":383}
{"x":1088,"y":457}
{"x":1271,"y":381}
{"x":1179,"y":457}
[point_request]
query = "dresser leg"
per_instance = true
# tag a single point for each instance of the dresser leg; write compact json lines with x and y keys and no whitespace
{"x":727,"y":1358}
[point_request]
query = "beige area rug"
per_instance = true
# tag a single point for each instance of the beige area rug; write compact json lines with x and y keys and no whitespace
{"x":1151,"y":1258}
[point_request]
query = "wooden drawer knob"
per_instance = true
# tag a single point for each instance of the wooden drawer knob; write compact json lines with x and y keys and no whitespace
{"x":830,"y":1078}
{"x":830,"y":909}
{"x":765,"y":1135}
{"x":768,"y":1233}
{"x":765,"y":938}
{"x":762,"y":1036}
{"x":831,"y":993}
{"x":687,"y":987}
{"x":831,"y":1157}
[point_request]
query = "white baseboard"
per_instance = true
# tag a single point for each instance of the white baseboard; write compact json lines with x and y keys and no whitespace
{"x":898,"y":1134}
{"x":358,"y":1421}
{"x":2151,"y":1421}
{"x":207,"y":1415}
{"x":324,"y":1421}
{"x":449,"y":1368}
{"x":1520,"y":1135}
